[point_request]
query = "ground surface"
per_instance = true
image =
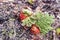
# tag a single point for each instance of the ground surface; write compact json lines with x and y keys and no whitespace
{"x":10,"y":26}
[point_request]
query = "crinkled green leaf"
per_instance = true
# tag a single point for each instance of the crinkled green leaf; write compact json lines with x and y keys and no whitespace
{"x":43,"y":21}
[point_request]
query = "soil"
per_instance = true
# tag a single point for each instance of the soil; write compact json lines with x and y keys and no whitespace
{"x":10,"y":25}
